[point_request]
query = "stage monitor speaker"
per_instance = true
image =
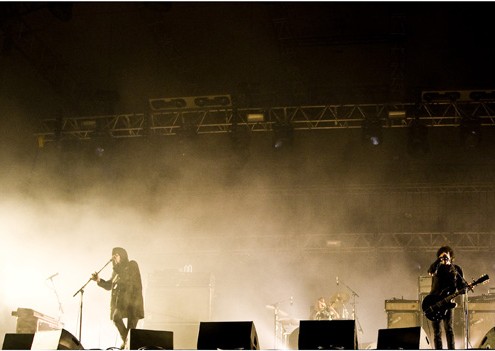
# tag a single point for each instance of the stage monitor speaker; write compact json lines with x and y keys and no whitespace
{"x":144,"y":339}
{"x":227,"y":336}
{"x":17,"y":341}
{"x":412,"y":338}
{"x":488,"y":342}
{"x":327,"y":335}
{"x":55,"y":340}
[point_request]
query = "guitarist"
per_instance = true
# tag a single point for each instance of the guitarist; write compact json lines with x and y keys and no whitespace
{"x":447,"y":278}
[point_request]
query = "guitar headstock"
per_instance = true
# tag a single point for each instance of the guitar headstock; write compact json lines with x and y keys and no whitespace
{"x":481,"y":280}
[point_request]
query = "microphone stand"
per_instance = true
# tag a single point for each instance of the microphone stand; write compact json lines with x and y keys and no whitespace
{"x":354,"y":315}
{"x":81,"y":290}
{"x":465,"y":305}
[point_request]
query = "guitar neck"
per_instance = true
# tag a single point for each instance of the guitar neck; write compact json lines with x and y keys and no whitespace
{"x":469,"y":286}
{"x":454,"y":295}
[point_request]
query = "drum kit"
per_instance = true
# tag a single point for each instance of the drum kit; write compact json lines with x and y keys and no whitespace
{"x":325,"y":308}
{"x":286,"y":329}
{"x":331,"y":308}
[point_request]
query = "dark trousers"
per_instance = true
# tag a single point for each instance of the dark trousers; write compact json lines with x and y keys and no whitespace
{"x":448,"y":325}
{"x":118,"y":320}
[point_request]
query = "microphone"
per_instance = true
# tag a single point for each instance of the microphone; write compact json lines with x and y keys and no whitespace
{"x":52,"y":276}
{"x":337,"y":280}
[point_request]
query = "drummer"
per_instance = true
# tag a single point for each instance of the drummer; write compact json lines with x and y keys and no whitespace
{"x":338,"y":301}
{"x":324,"y":311}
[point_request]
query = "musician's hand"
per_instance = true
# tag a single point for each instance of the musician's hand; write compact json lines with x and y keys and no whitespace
{"x":95,"y":277}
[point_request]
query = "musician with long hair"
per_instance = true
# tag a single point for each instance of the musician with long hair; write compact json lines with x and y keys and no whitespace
{"x":127,"y":292}
{"x":447,"y":278}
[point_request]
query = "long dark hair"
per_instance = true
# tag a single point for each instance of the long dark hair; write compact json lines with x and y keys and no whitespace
{"x":124,"y":258}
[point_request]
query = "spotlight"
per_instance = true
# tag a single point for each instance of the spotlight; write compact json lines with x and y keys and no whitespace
{"x":417,"y":139}
{"x":470,"y":132}
{"x":99,"y":151}
{"x":283,"y":136}
{"x":255,"y":117}
{"x":372,"y":131}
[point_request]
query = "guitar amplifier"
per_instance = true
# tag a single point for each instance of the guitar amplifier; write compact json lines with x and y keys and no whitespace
{"x":481,"y":316}
{"x":402,"y":313}
{"x":401,"y":305}
{"x":482,"y":303}
{"x":424,"y":284}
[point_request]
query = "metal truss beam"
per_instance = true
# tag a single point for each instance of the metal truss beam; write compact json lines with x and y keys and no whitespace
{"x":227,"y":120}
{"x":388,"y":188}
{"x":333,"y":243}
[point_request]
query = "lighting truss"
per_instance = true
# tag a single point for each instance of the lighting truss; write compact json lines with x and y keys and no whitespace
{"x":220,"y":120}
{"x":321,"y":243}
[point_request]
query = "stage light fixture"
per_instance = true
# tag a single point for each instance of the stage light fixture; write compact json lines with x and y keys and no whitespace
{"x":372,"y":131}
{"x":255,"y":117}
{"x":283,"y":136}
{"x":417,"y":139}
{"x":470,"y":132}
{"x":99,"y":151}
{"x":398,"y":114}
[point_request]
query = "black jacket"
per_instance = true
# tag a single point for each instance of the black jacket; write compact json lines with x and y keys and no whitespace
{"x":446,"y":279}
{"x":127,"y":290}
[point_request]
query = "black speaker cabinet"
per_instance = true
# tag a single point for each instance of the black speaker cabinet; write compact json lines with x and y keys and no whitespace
{"x":327,"y":335}
{"x":55,"y":340}
{"x":17,"y":341}
{"x":145,"y":339}
{"x":412,"y":338}
{"x":227,"y":336}
{"x":488,"y":342}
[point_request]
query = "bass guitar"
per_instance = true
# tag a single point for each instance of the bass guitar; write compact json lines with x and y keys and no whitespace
{"x":435,"y":307}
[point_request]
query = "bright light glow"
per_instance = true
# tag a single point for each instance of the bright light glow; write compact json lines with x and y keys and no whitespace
{"x":375,"y":141}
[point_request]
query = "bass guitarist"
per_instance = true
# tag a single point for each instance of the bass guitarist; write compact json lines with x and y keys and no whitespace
{"x":447,"y":278}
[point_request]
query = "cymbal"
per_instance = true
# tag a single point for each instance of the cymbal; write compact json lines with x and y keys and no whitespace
{"x":340,"y":297}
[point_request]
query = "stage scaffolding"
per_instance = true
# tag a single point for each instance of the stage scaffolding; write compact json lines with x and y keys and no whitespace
{"x":339,"y":243}
{"x":229,"y":119}
{"x":392,"y":202}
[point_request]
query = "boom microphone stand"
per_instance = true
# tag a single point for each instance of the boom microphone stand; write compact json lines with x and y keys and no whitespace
{"x":81,"y":290}
{"x":354,"y":314}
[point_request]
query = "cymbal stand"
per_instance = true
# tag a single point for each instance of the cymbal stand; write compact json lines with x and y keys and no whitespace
{"x":354,"y":313}
{"x":276,"y":321}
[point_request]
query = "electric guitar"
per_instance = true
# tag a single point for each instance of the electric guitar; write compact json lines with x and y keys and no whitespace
{"x":435,"y":307}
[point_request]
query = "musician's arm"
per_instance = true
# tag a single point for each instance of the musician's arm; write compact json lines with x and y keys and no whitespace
{"x":107,"y":285}
{"x":434,"y":267}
